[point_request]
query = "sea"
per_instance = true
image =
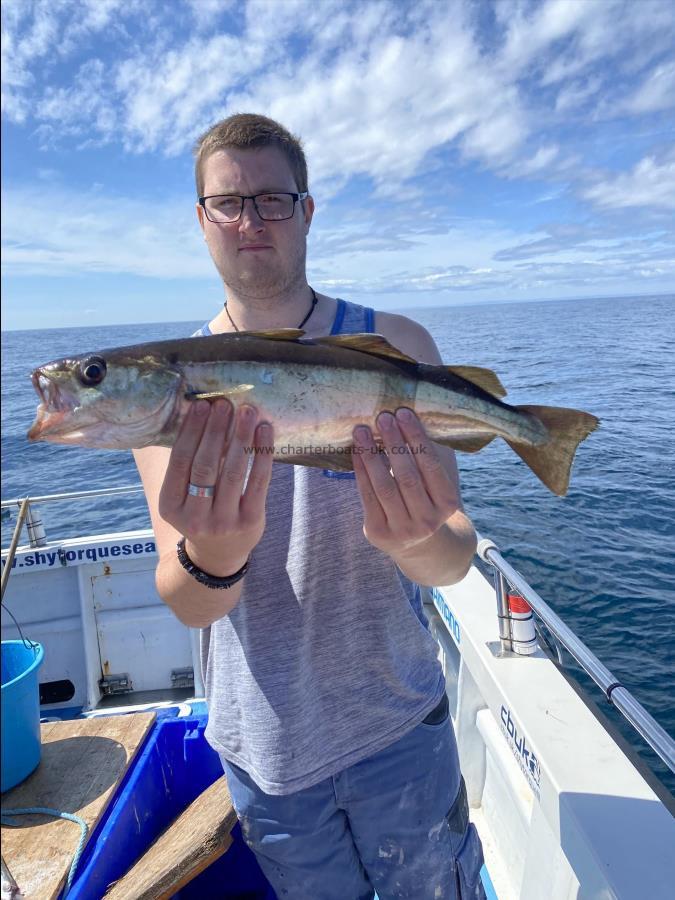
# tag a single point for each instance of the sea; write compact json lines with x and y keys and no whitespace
{"x":603,"y":557}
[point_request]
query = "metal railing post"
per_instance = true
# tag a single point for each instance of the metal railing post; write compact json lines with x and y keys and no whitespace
{"x":501,"y":593}
{"x":35,"y":528}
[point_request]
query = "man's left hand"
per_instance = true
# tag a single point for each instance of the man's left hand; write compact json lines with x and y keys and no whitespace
{"x":406,"y":491}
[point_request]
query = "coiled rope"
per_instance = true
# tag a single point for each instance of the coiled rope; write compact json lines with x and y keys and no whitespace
{"x":43,"y":811}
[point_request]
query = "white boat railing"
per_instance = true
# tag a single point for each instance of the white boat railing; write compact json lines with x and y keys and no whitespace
{"x":36,"y":532}
{"x":618,"y":695}
{"x":75,"y":495}
{"x":615,"y":692}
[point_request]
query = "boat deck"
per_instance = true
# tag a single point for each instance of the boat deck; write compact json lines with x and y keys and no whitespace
{"x":83,"y":761}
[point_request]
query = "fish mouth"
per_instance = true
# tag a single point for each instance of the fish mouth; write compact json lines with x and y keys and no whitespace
{"x":54,"y":406}
{"x":53,"y":398}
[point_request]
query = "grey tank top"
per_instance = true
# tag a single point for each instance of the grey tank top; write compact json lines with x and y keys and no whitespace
{"x":326,"y":659}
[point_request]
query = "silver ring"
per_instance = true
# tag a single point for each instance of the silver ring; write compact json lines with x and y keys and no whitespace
{"x":196,"y":491}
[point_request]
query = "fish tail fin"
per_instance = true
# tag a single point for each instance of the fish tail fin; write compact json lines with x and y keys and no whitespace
{"x":551,"y":461}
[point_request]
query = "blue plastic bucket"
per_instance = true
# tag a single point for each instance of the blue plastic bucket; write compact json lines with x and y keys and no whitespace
{"x":20,"y":711}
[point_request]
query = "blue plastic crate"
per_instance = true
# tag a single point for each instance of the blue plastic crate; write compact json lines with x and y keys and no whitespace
{"x":173,"y":767}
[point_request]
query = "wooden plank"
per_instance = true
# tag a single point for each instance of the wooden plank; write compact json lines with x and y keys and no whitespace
{"x":83,"y":761}
{"x":192,"y":842}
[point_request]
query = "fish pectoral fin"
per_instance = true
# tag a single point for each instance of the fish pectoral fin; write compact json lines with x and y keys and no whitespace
{"x":276,"y":334}
{"x":483,"y":378}
{"x":337,"y":462}
{"x":466,"y":444}
{"x":551,"y":461}
{"x":375,"y":344}
{"x":215,"y":395}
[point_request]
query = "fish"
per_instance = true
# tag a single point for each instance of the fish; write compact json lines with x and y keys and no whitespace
{"x":314,"y":391}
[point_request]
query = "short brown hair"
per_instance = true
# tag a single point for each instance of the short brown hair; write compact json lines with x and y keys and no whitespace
{"x":246,"y":131}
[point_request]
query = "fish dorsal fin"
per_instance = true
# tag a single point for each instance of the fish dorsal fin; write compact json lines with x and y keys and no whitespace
{"x":275,"y":334}
{"x":483,"y":378}
{"x":374,"y":344}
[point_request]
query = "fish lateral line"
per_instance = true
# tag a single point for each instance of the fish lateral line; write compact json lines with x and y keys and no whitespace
{"x":217,"y":395}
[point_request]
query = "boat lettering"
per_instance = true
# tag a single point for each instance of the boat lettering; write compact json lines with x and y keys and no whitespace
{"x":49,"y":558}
{"x":446,"y":614}
{"x":524,"y":755}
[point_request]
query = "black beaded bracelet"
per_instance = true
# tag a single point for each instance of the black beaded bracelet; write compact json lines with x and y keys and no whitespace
{"x":211,"y":581}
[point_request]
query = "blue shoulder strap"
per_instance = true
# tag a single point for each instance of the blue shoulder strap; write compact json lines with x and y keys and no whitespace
{"x":339,"y":317}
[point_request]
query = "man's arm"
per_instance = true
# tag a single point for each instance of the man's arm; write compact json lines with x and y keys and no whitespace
{"x":413,"y":512}
{"x":220,"y":531}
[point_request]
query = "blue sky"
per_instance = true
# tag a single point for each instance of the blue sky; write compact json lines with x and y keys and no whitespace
{"x":459,"y":150}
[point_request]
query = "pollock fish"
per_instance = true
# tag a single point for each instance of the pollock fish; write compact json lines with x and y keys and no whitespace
{"x":313,"y":391}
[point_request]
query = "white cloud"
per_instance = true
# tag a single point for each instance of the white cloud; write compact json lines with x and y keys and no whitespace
{"x":656,"y":92}
{"x":540,"y":164}
{"x":533,"y":31}
{"x":383,"y":104}
{"x":46,"y":232}
{"x":651,"y":183}
{"x":165,"y":93}
{"x":391,"y":83}
{"x":81,"y":108}
{"x":207,"y":12}
{"x":375,"y":89}
{"x":35,"y":36}
{"x":573,"y":96}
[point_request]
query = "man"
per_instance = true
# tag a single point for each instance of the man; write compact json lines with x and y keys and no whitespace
{"x":326,"y":699}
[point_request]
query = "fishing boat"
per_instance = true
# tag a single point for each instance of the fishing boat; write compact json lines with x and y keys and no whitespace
{"x":563,"y":806}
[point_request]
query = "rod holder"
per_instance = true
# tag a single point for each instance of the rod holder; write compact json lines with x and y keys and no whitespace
{"x":35,"y":528}
{"x":501,"y":593}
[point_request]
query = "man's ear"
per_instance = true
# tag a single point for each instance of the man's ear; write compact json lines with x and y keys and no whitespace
{"x":200,"y":217}
{"x":308,"y":208}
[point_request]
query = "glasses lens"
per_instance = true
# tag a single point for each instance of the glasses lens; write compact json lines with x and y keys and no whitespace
{"x":273,"y":207}
{"x":223,"y":209}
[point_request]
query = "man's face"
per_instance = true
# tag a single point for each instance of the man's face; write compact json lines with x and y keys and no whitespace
{"x":254,"y":257}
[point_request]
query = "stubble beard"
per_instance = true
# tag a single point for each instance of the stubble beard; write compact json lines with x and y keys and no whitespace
{"x":267,"y":281}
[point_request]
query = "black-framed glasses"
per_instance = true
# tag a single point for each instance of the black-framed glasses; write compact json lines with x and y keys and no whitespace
{"x":270,"y":206}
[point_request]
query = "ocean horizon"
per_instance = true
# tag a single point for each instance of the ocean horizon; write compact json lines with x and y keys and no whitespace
{"x":402,"y":310}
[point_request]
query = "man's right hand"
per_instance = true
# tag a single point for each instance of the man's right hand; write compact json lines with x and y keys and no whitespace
{"x":212,"y":451}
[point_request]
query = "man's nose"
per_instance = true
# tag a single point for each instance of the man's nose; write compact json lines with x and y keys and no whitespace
{"x":249,"y":216}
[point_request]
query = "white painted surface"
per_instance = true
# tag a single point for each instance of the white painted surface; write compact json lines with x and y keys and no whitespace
{"x":581,"y":821}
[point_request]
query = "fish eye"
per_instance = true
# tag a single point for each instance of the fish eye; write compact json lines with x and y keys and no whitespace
{"x":92,"y":370}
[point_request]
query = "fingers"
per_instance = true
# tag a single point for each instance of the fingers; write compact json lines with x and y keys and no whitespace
{"x":209,"y":451}
{"x":403,"y":456}
{"x":235,"y":462}
{"x":179,"y":469}
{"x":380,"y":487}
{"x":374,"y":516}
{"x":441,"y":490}
{"x":252,"y":506}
